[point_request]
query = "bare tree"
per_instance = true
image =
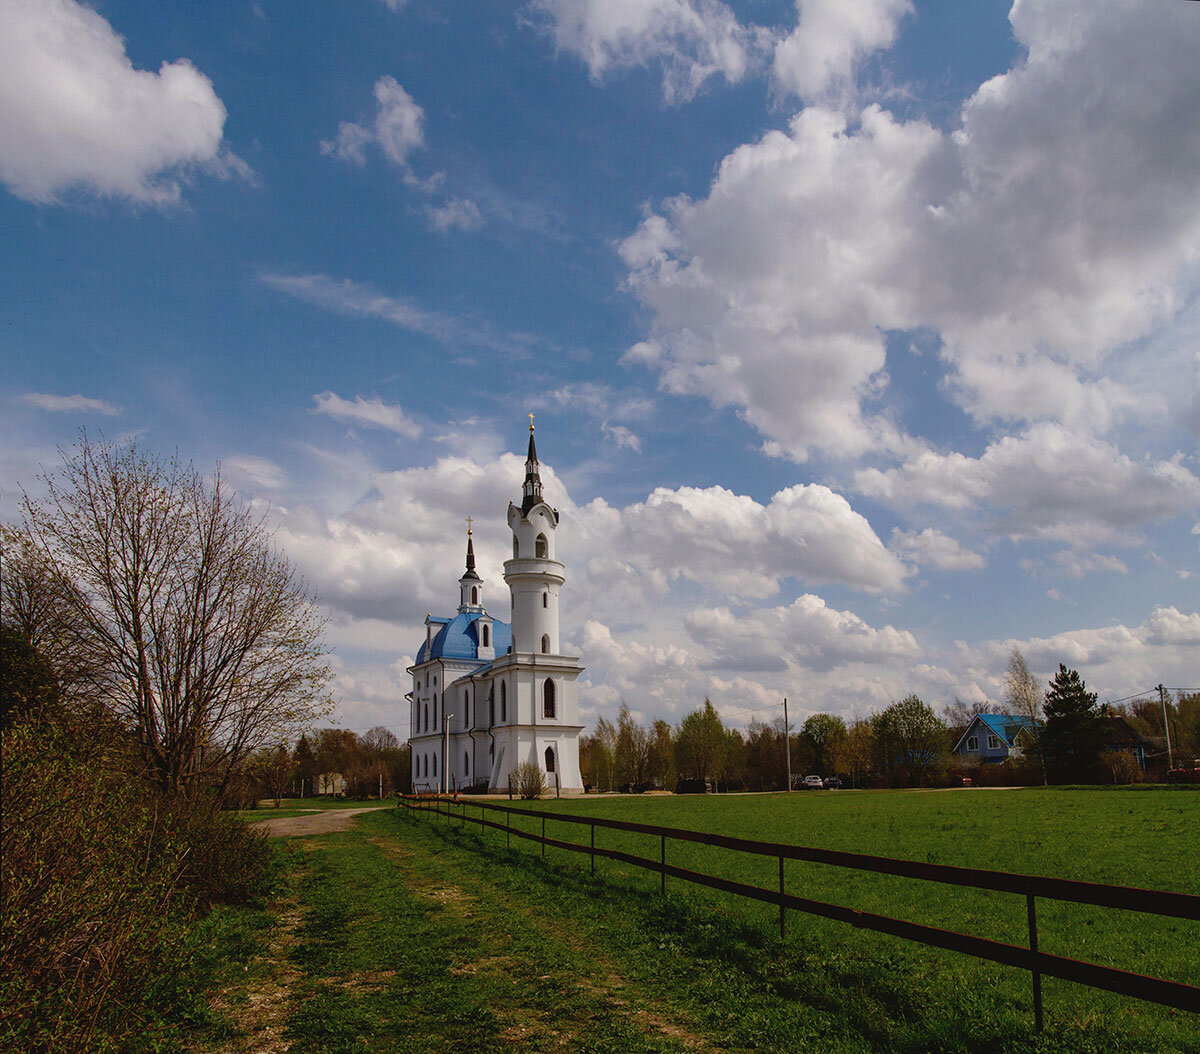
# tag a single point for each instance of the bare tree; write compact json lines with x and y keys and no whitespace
{"x":212,"y":645}
{"x":1023,"y":695}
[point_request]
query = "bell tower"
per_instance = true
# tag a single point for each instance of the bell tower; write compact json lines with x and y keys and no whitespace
{"x":533,"y":574}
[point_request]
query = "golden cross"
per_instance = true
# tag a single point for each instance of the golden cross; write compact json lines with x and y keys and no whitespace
{"x":468,"y":525}
{"x":531,"y":422}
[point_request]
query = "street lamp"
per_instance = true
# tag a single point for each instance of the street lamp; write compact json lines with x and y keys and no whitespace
{"x":445,"y":751}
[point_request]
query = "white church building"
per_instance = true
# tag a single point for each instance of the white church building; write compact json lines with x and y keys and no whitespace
{"x":487,"y":694}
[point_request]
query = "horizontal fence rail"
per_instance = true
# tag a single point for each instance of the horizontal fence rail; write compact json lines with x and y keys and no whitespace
{"x":1174,"y":994}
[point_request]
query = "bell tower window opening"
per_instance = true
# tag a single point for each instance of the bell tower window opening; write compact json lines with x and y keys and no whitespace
{"x":541,"y":547}
{"x":545,"y":644}
{"x":549,"y":759}
{"x":487,"y":636}
{"x":474,"y":594}
{"x":548,"y":707}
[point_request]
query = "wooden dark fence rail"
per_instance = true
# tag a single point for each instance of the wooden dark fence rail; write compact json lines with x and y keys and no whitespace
{"x":1149,"y":901}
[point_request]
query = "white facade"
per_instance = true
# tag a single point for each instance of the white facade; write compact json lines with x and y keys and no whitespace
{"x":488,"y":695}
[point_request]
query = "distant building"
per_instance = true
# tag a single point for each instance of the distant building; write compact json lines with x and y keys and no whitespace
{"x":995,"y":737}
{"x":488,"y":694}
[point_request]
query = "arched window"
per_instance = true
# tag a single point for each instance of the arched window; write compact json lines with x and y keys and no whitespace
{"x":426,"y":717}
{"x":466,"y":764}
{"x":435,"y":766}
{"x":549,"y":759}
{"x":492,"y":704}
{"x":425,"y":761}
{"x":435,"y":709}
{"x":503,"y":701}
{"x":548,"y":707}
{"x":545,"y":643}
{"x":487,"y":635}
{"x":516,"y":549}
{"x":474,"y":594}
{"x":540,"y":546}
{"x":545,"y":600}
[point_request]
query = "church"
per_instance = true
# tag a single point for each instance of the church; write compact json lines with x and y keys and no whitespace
{"x":487,"y":694}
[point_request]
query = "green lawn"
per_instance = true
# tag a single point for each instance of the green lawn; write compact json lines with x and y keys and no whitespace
{"x":407,"y":933}
{"x":307,"y":806}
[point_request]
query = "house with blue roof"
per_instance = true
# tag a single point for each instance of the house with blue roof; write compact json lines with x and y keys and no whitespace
{"x":996,"y":737}
{"x":488,"y":695}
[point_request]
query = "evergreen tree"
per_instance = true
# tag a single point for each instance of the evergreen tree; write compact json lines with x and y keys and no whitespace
{"x":1075,"y":729}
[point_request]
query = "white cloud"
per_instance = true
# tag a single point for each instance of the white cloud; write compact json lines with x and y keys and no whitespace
{"x":807,"y":635}
{"x":932,"y":548}
{"x":1075,"y":564}
{"x":1048,"y":482}
{"x":255,"y":471}
{"x":345,"y":297}
{"x":70,"y":404}
{"x":373,"y":412}
{"x":622,"y":437}
{"x":1043,"y":241}
{"x":75,"y":113}
{"x":461,"y":213}
{"x":692,"y":39}
{"x":396,"y":130}
{"x":829,"y":39}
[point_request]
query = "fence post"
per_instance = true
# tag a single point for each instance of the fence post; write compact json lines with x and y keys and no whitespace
{"x":662,"y":857}
{"x":1037,"y":974}
{"x":593,"y":827}
{"x":782,"y":909}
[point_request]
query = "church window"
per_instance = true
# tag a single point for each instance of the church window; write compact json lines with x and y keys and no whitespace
{"x":545,"y":643}
{"x":540,"y":546}
{"x":435,"y":709}
{"x":466,"y":764}
{"x":487,"y":636}
{"x":549,"y":759}
{"x":435,"y":766}
{"x":545,"y":600}
{"x":492,"y":703}
{"x":503,"y":701}
{"x":548,"y":707}
{"x":474,"y":594}
{"x":426,"y":725}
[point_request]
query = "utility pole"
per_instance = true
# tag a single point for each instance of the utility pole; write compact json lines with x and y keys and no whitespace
{"x":787,"y":744}
{"x":1162,"y":698}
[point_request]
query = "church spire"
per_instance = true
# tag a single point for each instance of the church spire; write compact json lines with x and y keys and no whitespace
{"x":470,"y":572}
{"x":531,"y":492}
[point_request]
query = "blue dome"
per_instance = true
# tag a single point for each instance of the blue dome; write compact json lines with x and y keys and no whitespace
{"x":459,"y":639}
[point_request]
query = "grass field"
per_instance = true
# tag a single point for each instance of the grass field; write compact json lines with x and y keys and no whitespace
{"x":306,"y":806}
{"x":407,"y":934}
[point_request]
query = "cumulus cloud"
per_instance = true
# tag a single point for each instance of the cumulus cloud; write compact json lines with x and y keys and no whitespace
{"x":830,"y":37}
{"x":373,"y":412}
{"x":806,"y":634}
{"x":691,"y":39}
{"x":1041,"y":240}
{"x":397,"y":129}
{"x":70,"y":404}
{"x":1048,"y":482}
{"x":74,"y":113}
{"x":932,"y":548}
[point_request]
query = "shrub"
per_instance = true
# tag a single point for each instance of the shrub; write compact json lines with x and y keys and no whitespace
{"x":1116,"y":766}
{"x":529,"y":781}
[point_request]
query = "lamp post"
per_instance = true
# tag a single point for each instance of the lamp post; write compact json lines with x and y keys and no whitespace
{"x":445,"y":751}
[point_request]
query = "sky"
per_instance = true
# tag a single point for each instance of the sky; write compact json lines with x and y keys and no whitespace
{"x":862,"y":338}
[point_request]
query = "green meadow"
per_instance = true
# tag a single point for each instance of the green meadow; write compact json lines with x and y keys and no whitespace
{"x":412,"y":933}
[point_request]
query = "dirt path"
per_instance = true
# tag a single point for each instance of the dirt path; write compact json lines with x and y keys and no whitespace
{"x":326,"y":822}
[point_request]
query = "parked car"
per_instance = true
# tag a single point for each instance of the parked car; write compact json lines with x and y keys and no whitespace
{"x":813,"y":783}
{"x":832,"y":783}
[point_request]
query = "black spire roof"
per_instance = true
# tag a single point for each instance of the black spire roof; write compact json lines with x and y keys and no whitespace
{"x":531,"y":492}
{"x":470,"y":572}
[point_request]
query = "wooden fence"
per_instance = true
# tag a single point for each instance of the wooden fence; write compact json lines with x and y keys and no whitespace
{"x":1148,"y":901}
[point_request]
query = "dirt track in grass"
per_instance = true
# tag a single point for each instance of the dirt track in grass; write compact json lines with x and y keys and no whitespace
{"x":328,"y":822}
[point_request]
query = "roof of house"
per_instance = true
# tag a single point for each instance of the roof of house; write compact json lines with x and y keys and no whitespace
{"x":1121,"y":731}
{"x":459,"y":638}
{"x":1006,"y":726}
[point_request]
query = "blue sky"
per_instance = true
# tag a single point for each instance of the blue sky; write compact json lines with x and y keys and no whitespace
{"x":863,"y":338}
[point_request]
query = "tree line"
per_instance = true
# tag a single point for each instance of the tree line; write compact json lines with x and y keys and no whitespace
{"x":905,"y":744}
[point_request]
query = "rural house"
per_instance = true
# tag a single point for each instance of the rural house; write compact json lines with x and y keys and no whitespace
{"x":995,"y":737}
